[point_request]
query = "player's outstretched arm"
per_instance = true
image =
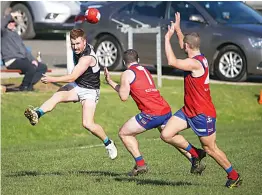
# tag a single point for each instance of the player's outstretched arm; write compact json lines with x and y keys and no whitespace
{"x":179,"y":33}
{"x":112,"y":83}
{"x":171,"y":58}
{"x":186,"y":64}
{"x":123,"y":89}
{"x":80,"y":68}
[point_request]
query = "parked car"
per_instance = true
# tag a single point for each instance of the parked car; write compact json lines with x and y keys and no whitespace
{"x":44,"y":16}
{"x":230,"y":32}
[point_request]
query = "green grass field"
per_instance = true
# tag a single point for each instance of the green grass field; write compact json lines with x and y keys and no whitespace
{"x":58,"y":156}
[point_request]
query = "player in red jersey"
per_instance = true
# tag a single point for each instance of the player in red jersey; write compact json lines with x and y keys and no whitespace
{"x":198,"y":112}
{"x":155,"y":111}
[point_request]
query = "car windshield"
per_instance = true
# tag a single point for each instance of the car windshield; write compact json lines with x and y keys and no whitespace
{"x":231,"y":12}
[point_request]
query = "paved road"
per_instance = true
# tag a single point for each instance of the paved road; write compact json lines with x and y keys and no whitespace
{"x":52,"y":48}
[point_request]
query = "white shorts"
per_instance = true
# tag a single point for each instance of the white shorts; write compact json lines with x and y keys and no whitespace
{"x":84,"y":93}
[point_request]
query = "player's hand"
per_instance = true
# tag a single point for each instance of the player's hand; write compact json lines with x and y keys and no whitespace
{"x":107,"y":75}
{"x":35,"y":63}
{"x":47,"y":79}
{"x":177,"y":23}
{"x":170,"y":31}
{"x":175,"y":26}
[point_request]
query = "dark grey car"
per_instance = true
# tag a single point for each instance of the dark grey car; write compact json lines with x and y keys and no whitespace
{"x":231,"y":34}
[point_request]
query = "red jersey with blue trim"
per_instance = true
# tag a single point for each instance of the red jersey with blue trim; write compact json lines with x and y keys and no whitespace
{"x":145,"y":94}
{"x":197,"y":97}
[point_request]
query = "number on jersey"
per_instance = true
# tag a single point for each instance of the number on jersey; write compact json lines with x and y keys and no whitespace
{"x":143,"y":69}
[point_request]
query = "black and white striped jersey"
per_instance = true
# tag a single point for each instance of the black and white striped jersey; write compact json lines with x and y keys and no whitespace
{"x":90,"y":79}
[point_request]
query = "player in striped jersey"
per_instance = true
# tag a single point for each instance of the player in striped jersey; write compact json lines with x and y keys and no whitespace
{"x":83,"y":86}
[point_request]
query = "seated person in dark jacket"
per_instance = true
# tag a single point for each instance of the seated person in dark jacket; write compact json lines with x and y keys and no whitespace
{"x":16,"y":56}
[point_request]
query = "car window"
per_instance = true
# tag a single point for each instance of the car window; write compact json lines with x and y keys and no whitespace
{"x":127,"y":9}
{"x":186,"y":10}
{"x":150,"y":8}
{"x":230,"y":12}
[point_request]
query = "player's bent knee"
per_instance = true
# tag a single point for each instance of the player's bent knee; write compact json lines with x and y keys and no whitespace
{"x":88,"y":125}
{"x":165,"y":137}
{"x":122,"y":133}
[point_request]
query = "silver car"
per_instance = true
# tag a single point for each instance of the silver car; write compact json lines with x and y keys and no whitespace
{"x":231,"y":34}
{"x":43,"y":16}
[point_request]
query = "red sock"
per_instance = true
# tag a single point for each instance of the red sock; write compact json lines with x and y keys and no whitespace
{"x":192,"y":150}
{"x":140,"y":161}
{"x":233,"y":175}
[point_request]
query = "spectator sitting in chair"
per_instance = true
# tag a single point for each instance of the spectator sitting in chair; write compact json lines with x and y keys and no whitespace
{"x":16,"y":56}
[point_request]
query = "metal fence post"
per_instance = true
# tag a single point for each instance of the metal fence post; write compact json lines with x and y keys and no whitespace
{"x":69,"y":56}
{"x":130,"y":37}
{"x":159,"y":57}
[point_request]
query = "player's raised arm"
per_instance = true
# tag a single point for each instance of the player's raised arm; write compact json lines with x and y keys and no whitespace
{"x":186,"y":64}
{"x":179,"y":33}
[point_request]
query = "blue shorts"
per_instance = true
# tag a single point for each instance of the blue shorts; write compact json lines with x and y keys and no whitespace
{"x":201,"y":124}
{"x":150,"y":121}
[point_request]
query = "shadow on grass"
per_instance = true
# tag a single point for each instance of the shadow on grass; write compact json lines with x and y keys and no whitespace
{"x":105,"y":173}
{"x":98,"y":173}
{"x":257,"y":96}
{"x":32,"y":173}
{"x":38,"y":173}
{"x":155,"y":182}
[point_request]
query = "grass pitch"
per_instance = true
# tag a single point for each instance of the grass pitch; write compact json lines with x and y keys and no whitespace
{"x":58,"y":156}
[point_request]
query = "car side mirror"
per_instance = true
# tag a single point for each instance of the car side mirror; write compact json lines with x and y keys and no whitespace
{"x":197,"y":18}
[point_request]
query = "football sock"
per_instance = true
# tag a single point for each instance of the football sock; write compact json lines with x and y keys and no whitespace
{"x":40,"y":112}
{"x":231,"y":173}
{"x":192,"y":151}
{"x":107,"y":141}
{"x":140,"y":161}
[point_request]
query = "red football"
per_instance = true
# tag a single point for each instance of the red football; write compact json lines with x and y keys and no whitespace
{"x":92,"y":15}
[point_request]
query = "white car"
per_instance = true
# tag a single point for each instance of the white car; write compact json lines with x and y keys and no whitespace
{"x":43,"y":16}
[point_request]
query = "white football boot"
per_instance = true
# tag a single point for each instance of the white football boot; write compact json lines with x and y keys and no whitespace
{"x":111,"y":150}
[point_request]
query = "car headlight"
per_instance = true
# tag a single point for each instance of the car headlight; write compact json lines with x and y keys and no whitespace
{"x":255,"y":42}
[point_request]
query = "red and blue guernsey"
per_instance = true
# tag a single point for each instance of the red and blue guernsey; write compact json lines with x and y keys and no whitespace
{"x":145,"y":94}
{"x":197,"y":97}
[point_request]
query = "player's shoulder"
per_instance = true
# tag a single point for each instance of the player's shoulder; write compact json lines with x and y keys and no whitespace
{"x":89,"y":50}
{"x":128,"y":75}
{"x":128,"y":72}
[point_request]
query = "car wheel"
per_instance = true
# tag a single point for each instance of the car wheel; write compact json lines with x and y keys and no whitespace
{"x":109,"y":52}
{"x":230,"y":64}
{"x":25,"y":26}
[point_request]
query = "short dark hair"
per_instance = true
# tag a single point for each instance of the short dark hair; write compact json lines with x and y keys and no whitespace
{"x":75,"y":33}
{"x":130,"y":56}
{"x":193,"y":40}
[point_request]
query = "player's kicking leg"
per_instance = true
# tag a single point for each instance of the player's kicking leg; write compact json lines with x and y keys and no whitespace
{"x":89,"y":107}
{"x":128,"y":134}
{"x":64,"y":94}
{"x":209,"y":144}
